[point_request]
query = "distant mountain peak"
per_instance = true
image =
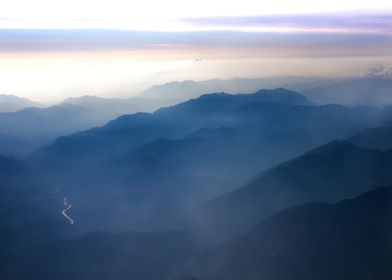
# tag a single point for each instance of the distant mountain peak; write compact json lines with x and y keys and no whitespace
{"x":7,"y":97}
{"x":336,"y":146}
{"x":216,"y":101}
{"x":12,"y":103}
{"x":85,"y":98}
{"x":283,"y":95}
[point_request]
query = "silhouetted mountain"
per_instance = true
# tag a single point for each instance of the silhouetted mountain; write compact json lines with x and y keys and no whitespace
{"x":374,"y":138}
{"x":126,"y":154}
{"x":346,"y":240}
{"x":368,"y":90}
{"x":114,"y":137}
{"x":222,"y":102}
{"x":130,"y":255}
{"x":12,"y":103}
{"x":168,"y":161}
{"x":40,"y":125}
{"x":179,"y":91}
{"x":154,"y":171}
{"x":335,"y":171}
{"x":172,"y":122}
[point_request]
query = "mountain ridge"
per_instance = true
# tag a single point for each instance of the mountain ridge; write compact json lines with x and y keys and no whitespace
{"x":349,"y":239}
{"x":326,"y":173}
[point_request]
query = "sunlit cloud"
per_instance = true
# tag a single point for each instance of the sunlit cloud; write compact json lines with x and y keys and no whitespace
{"x":211,"y":43}
{"x":316,"y":23}
{"x":162,"y":15}
{"x":100,"y":47}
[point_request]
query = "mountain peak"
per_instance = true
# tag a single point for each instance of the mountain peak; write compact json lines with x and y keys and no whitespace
{"x":12,"y":103}
{"x":213,"y":102}
{"x":283,"y":95}
{"x":335,"y":146}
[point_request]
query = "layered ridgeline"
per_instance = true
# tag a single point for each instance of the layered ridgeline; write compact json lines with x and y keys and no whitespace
{"x":152,"y":167}
{"x":19,"y":115}
{"x":12,"y":103}
{"x":210,"y":110}
{"x":31,"y":125}
{"x":372,"y":89}
{"x":351,"y":239}
{"x":110,"y":108}
{"x":39,"y":125}
{"x":153,"y":172}
{"x":332,"y":172}
{"x":179,"y":91}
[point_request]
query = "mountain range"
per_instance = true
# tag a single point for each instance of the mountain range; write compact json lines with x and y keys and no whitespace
{"x":362,"y":90}
{"x":161,"y":165}
{"x":126,"y":149}
{"x":27,"y":126}
{"x":12,"y":103}
{"x":80,"y":113}
{"x":222,"y":186}
{"x":350,"y":239}
{"x":332,"y":172}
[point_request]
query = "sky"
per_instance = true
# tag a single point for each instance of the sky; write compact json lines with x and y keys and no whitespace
{"x":50,"y":50}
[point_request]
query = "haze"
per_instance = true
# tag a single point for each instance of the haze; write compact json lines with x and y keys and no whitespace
{"x":50,"y":50}
{"x":195,"y":140}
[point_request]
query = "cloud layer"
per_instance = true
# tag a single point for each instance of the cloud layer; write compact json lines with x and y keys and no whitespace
{"x":256,"y":44}
{"x":353,"y":23}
